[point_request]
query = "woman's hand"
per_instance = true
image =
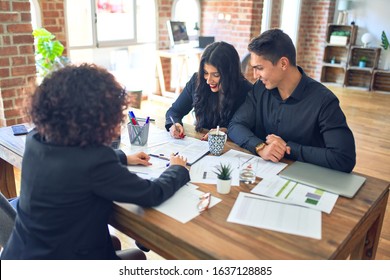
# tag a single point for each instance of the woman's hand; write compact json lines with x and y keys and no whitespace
{"x":178,"y":160}
{"x":139,"y":158}
{"x":206,"y":136}
{"x":177,"y":131}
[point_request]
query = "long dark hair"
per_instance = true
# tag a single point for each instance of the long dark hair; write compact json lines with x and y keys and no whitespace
{"x":217,"y":108}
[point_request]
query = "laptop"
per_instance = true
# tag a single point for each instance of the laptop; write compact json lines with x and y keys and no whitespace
{"x":204,"y":41}
{"x":344,"y":184}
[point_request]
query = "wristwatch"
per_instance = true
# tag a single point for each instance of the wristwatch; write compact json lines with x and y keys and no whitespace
{"x":260,"y":147}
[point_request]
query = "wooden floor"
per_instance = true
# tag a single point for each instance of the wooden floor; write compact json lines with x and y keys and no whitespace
{"x":368,"y":115}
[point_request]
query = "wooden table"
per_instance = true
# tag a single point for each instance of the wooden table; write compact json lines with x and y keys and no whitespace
{"x":352,"y":230}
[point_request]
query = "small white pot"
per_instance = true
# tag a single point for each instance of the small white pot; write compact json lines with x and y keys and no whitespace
{"x":223,"y":186}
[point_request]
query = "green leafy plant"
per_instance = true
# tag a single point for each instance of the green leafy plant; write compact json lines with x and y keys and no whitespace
{"x":385,"y":41}
{"x":224,"y":171}
{"x":48,"y":52}
{"x":341,"y":33}
{"x":363,"y":58}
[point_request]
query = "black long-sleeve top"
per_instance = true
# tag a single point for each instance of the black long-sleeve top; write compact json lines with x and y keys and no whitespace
{"x":185,"y":102}
{"x":66,"y":200}
{"x":310,"y":121}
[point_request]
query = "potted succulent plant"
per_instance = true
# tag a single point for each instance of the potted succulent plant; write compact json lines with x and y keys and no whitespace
{"x":224,"y":179}
{"x":362,"y":61}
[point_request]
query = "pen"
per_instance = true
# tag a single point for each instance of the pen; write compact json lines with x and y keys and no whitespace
{"x":131,"y":114}
{"x":168,"y":163}
{"x":176,"y":128}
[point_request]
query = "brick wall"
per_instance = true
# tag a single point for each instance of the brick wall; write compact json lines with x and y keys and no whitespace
{"x":315,"y":16}
{"x":245,"y":21}
{"x":17,"y":63}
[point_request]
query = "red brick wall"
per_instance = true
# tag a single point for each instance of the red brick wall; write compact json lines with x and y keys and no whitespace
{"x":315,"y":16}
{"x":53,"y":19}
{"x":164,"y":11}
{"x":244,"y":24}
{"x":17,"y":63}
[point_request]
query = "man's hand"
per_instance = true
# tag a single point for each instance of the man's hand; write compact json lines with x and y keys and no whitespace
{"x":275,"y":150}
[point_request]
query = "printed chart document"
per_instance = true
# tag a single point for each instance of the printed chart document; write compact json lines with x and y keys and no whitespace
{"x":264,"y":168}
{"x":202,"y":171}
{"x":296,"y":193}
{"x":263,"y":212}
{"x":182,"y":206}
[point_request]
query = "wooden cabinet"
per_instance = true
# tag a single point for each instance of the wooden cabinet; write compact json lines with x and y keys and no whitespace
{"x":380,"y":80}
{"x":358,"y":75}
{"x":340,"y":63}
{"x":336,"y":52}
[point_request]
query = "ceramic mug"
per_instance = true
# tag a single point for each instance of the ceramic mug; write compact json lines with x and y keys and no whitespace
{"x":216,"y":142}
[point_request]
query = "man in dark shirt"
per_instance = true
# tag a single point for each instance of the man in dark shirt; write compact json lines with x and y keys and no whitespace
{"x":287,"y":114}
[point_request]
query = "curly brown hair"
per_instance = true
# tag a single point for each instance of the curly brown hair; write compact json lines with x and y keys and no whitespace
{"x":79,"y":106}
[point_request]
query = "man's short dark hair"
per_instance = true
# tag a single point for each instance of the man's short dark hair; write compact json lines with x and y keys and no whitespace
{"x":272,"y":45}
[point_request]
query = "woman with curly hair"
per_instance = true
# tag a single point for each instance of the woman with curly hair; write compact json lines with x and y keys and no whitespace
{"x":215,"y":92}
{"x":71,"y":175}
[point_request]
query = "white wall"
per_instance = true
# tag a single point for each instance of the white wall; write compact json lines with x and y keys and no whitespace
{"x":371,"y":16}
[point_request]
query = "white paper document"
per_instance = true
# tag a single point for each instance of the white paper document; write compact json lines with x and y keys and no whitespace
{"x":264,"y":168}
{"x":262,"y":212}
{"x":182,"y":206}
{"x":151,"y":171}
{"x":202,"y":171}
{"x":295,"y":193}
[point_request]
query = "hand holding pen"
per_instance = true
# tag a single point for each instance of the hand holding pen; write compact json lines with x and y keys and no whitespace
{"x":177,"y":159}
{"x":176,"y":130}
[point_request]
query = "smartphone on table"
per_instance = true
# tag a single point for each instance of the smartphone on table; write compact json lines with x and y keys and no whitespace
{"x":19,"y":129}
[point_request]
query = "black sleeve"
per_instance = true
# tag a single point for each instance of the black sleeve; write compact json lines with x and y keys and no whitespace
{"x":339,"y":151}
{"x":115,"y":182}
{"x":242,"y":126}
{"x":183,"y":104}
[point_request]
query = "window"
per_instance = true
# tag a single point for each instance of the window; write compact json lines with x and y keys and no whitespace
{"x":121,"y":37}
{"x":290,"y":18}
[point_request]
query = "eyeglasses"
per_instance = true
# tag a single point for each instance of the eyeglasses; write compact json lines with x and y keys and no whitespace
{"x":204,"y":202}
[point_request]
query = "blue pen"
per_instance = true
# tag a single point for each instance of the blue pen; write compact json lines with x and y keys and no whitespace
{"x":147,"y":120}
{"x":175,"y":154}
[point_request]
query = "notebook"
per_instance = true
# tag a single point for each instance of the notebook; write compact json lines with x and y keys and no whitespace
{"x":344,"y":184}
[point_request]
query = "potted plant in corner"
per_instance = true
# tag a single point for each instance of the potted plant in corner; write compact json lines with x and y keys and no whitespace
{"x":224,"y":178}
{"x":362,"y":61}
{"x":48,"y":52}
{"x":386,"y":46}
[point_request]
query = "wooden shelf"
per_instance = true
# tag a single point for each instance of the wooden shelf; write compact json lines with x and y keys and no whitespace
{"x":372,"y":55}
{"x":332,"y":74}
{"x":359,"y":78}
{"x":381,"y":80}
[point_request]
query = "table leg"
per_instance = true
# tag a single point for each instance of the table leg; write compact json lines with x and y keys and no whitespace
{"x":7,"y":179}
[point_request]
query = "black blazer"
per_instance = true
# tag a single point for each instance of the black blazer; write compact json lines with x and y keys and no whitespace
{"x":66,"y":200}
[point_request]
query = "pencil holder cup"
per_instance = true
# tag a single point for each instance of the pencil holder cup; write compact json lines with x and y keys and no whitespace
{"x":217,"y":142}
{"x":138,"y":134}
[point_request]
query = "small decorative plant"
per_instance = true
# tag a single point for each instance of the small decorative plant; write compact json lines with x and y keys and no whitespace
{"x":385,"y":41}
{"x":48,"y":53}
{"x":224,"y":171}
{"x":363,"y":59}
{"x":341,"y":33}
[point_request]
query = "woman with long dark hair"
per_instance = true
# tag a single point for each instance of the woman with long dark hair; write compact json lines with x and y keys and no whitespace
{"x":214,"y":92}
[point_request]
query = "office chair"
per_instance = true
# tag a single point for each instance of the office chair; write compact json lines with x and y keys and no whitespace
{"x":7,"y":220}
